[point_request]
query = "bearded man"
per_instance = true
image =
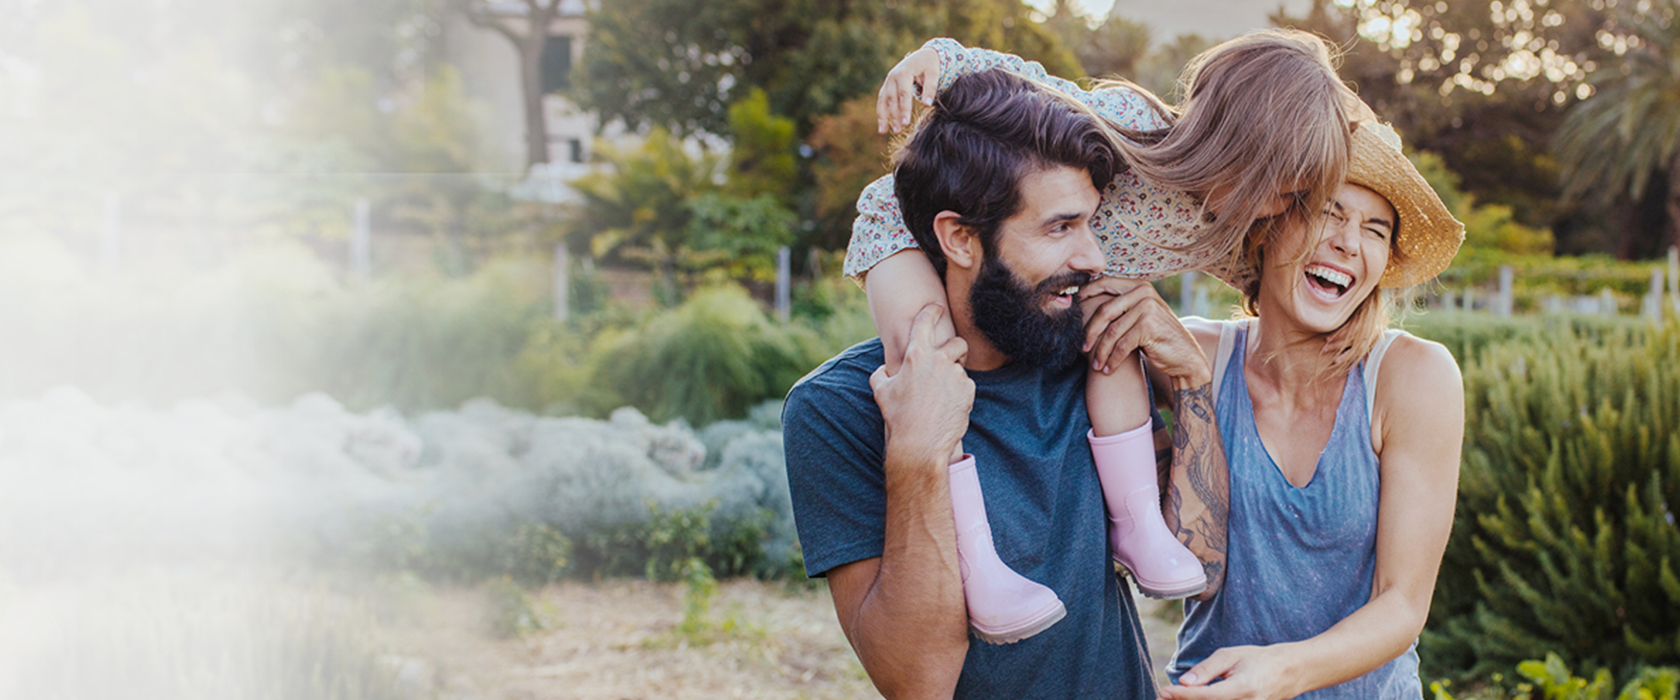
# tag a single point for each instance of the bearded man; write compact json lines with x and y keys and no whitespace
{"x":998,"y":184}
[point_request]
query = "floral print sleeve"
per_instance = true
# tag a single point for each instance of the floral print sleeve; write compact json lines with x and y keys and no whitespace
{"x":1138,"y":223}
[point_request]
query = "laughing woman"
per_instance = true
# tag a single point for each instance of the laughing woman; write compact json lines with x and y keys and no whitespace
{"x":1341,"y":437}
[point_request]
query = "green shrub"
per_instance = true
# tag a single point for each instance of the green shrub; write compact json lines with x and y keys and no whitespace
{"x":673,"y":542}
{"x":1466,"y":335}
{"x":710,"y":359}
{"x":1565,"y":537}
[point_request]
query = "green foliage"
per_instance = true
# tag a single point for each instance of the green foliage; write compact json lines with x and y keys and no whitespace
{"x":1612,"y":143}
{"x":849,"y":156}
{"x":710,"y":359}
{"x":762,"y":156}
{"x":678,"y":65}
{"x":512,"y":612}
{"x":1565,"y":539}
{"x":1554,"y":681}
{"x":736,"y":238}
{"x":664,"y":207}
{"x":679,"y":544}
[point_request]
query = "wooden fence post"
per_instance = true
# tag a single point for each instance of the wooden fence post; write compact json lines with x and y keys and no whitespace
{"x":361,"y":240}
{"x":562,"y":282}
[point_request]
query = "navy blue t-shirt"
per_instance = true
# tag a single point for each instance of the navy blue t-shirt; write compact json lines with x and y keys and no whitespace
{"x":1043,"y":499}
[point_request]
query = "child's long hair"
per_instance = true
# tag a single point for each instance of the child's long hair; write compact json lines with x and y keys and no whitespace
{"x":1263,"y":114}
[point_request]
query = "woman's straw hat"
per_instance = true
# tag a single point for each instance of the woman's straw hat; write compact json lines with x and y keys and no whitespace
{"x":1429,"y":235}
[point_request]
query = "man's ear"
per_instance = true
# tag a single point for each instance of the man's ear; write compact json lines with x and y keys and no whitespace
{"x":960,"y":245}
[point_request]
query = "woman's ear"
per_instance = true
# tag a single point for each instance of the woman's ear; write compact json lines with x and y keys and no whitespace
{"x":958,"y":242}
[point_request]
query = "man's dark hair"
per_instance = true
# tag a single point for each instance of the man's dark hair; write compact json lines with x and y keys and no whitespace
{"x":984,"y":133}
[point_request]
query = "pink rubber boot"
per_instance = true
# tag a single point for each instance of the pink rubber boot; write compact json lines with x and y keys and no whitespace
{"x":1162,"y":566}
{"x":1003,"y":606}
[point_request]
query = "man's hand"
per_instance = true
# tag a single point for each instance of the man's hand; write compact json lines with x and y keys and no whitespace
{"x":1126,"y":315}
{"x":926,"y":405}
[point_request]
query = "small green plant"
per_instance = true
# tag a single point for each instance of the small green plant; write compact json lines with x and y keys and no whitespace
{"x":512,"y":613}
{"x":1552,"y":680}
{"x":697,"y":602}
{"x":539,"y":554}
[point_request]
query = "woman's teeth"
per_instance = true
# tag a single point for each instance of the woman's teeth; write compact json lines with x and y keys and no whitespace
{"x":1331,"y":278}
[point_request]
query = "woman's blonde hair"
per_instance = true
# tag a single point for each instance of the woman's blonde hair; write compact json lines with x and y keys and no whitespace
{"x":1263,"y":114}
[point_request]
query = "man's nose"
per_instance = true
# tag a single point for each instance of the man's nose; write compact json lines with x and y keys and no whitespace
{"x":1089,"y":257}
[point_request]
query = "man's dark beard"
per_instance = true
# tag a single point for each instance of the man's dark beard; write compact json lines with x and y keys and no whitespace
{"x":1013,"y":317}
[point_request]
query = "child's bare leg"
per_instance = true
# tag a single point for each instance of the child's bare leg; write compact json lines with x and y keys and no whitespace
{"x":898,"y":287}
{"x":1123,"y":447}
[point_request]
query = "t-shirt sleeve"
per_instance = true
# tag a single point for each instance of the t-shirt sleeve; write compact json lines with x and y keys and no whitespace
{"x":834,"y":448}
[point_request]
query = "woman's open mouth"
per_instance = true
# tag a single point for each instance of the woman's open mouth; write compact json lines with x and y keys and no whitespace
{"x":1328,"y":282}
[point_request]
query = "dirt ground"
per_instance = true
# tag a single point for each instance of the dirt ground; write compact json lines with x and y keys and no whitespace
{"x":624,"y":640}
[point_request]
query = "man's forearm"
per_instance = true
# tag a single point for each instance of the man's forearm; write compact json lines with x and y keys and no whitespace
{"x":911,"y":626}
{"x":1198,"y":493}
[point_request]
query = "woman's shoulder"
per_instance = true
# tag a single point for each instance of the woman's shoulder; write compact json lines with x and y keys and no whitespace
{"x":1416,"y":373}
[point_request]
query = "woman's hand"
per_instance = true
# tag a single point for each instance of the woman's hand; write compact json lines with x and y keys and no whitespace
{"x":915,"y":77}
{"x":1244,"y":673}
{"x":1126,"y":315}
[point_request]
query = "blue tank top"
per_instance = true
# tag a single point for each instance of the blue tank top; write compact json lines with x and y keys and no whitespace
{"x":1300,"y":559}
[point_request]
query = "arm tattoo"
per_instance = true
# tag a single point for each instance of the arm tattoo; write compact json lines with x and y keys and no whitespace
{"x":1199,"y":518}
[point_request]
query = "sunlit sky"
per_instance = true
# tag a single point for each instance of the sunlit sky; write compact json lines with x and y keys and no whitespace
{"x":1215,"y":19}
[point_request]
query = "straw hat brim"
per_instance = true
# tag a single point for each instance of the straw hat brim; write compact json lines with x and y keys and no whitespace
{"x":1429,"y":236}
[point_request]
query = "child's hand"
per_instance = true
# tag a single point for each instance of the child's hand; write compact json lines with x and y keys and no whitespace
{"x":915,"y":77}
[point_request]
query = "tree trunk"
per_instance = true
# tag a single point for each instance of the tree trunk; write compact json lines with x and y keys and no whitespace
{"x":1673,"y":204}
{"x":530,"y":82}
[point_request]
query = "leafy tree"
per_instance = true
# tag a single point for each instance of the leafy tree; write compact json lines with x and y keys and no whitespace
{"x":679,"y":65}
{"x":1614,"y":142}
{"x":849,"y":156}
{"x":1484,"y":86}
{"x":762,"y":156}
{"x":659,"y":205}
{"x":1116,"y":48}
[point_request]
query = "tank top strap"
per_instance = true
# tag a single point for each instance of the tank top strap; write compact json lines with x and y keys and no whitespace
{"x":1373,"y":362}
{"x":1222,"y":357}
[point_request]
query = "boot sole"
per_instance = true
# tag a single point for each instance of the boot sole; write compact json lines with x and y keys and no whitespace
{"x":1015,"y":633}
{"x":1170,"y":592}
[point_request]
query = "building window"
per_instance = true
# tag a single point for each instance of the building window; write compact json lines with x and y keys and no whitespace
{"x":557,"y":64}
{"x":576,"y":149}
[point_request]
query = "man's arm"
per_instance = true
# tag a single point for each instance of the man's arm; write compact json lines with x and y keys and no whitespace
{"x":903,"y":611}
